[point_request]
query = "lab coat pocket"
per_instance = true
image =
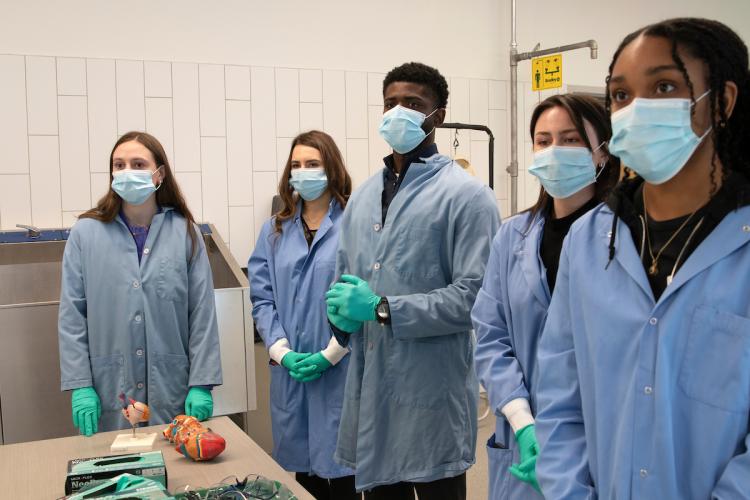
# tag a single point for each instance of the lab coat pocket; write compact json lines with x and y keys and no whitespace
{"x":419,"y":370}
{"x":716,"y":366}
{"x":168,"y":384}
{"x":109,"y":379}
{"x":172,"y":282}
{"x":417,"y":256}
{"x":499,"y":459}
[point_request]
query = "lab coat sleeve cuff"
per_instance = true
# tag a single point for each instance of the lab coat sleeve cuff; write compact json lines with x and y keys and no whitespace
{"x":518,"y":414}
{"x":334,"y":352}
{"x":278,"y":350}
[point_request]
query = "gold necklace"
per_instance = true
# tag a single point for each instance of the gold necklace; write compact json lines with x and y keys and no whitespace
{"x":653,"y":270}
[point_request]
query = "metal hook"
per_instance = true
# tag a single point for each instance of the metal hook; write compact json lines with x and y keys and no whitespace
{"x":456,"y":144}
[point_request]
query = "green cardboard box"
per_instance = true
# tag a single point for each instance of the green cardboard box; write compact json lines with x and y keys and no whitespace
{"x":84,"y":472}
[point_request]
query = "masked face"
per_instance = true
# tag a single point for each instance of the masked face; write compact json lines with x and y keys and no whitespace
{"x":402,"y":128}
{"x":655,"y":137}
{"x":308,"y":176}
{"x":135,"y":176}
{"x":563,"y":162}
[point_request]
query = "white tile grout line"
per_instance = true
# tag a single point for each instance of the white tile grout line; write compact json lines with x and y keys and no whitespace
{"x":200,"y":141}
{"x":226,"y":154}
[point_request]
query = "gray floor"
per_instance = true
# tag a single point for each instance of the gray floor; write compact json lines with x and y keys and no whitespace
{"x":259,"y":423}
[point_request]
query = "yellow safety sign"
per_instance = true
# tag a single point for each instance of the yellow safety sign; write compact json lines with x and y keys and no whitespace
{"x":546,"y":72}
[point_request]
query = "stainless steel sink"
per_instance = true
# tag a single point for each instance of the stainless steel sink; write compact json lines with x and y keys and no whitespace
{"x":31,"y":404}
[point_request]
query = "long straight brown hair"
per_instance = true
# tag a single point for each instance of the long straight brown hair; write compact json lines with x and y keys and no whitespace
{"x":580,"y":108}
{"x":168,"y":194}
{"x":339,"y":182}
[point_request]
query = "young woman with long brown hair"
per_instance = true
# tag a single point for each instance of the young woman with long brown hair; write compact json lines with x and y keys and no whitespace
{"x":137,"y":313}
{"x":290,"y":270}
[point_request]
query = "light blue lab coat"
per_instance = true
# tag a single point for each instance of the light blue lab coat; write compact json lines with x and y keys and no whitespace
{"x":508,"y":317}
{"x":663,"y":387}
{"x":288,"y":283}
{"x":410,"y":405}
{"x":147,"y":330}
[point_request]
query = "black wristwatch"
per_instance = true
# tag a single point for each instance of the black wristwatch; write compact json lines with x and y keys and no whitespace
{"x":383,"y":311}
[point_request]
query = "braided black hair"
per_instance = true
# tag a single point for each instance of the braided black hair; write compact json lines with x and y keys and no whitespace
{"x":414,"y":72}
{"x":726,"y":59}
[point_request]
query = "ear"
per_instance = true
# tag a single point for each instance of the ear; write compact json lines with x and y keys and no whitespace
{"x":159,"y":178}
{"x":440,"y":116}
{"x":730,"y":97}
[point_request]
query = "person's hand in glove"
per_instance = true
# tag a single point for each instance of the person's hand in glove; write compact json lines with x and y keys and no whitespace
{"x":529,"y":450}
{"x":87,"y":409}
{"x":292,"y":361}
{"x":199,"y":403}
{"x":344,"y":324}
{"x":317,"y":361}
{"x":353,"y":299}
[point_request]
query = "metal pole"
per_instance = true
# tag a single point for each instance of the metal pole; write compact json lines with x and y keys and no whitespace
{"x":513,"y":167}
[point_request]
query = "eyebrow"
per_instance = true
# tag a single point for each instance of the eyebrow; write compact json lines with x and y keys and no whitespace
{"x":566,"y":131}
{"x":649,"y":72}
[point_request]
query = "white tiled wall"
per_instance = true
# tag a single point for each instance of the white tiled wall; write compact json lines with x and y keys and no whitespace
{"x":226,"y":130}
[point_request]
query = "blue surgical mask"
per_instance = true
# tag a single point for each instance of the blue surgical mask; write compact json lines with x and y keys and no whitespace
{"x":310,"y":183}
{"x":654,"y":137}
{"x":563,"y":171}
{"x":402,"y":128}
{"x":134,"y":186}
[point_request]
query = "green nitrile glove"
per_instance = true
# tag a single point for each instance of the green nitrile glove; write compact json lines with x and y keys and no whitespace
{"x":353,"y":298}
{"x":344,"y":324}
{"x":317,"y":361}
{"x":87,"y":409}
{"x":292,"y":358}
{"x":307,"y":376}
{"x":529,"y":450}
{"x":199,"y":403}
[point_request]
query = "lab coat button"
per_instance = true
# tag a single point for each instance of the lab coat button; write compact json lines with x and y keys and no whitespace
{"x":746,"y":228}
{"x":146,"y":251}
{"x":376,"y":266}
{"x":139,"y":385}
{"x":137,"y":318}
{"x":136,"y":284}
{"x":376,"y":227}
{"x":648,"y":390}
{"x":370,"y":346}
{"x":643,"y":473}
{"x":653,"y":321}
{"x":139,"y":352}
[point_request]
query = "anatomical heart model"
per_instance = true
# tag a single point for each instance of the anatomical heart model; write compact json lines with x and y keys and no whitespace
{"x":193,"y":440}
{"x":134,"y":412}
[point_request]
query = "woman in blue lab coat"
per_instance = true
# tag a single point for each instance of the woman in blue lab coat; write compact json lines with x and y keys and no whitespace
{"x":569,"y":133}
{"x":137,"y":314}
{"x":644,"y":385}
{"x":290,"y":270}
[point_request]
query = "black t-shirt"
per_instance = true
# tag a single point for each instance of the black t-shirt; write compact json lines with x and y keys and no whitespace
{"x":553,"y":235}
{"x":734,"y":193}
{"x":682,"y":231}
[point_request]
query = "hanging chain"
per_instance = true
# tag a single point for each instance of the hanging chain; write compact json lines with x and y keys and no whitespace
{"x":456,"y":144}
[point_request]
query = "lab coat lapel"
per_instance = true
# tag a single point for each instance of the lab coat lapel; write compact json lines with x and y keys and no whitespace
{"x":732,"y":233}
{"x":626,"y":254}
{"x":528,"y":253}
{"x":416,"y":174}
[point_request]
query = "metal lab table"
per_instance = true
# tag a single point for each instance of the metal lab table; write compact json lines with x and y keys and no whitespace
{"x":37,"y":469}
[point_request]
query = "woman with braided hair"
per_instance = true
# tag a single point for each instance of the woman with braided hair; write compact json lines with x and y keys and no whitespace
{"x":644,"y":361}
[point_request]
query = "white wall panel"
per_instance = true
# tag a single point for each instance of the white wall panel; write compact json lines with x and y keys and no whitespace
{"x":41,"y":87}
{"x":239,"y":153}
{"x":131,"y":111}
{"x":13,"y":125}
{"x":186,"y":109}
{"x":263,"y":98}
{"x":211,"y":84}
{"x":102,"y":112}
{"x":74,"y":153}
{"x":44,"y":165}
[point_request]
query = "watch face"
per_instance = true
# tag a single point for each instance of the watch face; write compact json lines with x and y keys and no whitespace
{"x":383,"y":310}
